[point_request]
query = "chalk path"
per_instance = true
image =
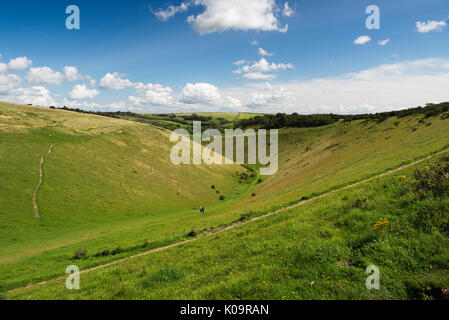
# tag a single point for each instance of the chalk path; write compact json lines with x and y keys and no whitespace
{"x":41,"y":174}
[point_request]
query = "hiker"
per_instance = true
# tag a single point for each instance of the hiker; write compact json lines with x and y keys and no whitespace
{"x":202,"y":210}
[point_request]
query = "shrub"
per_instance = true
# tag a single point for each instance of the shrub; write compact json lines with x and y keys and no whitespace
{"x":222,"y":198}
{"x":432,"y":180}
{"x":360,"y":203}
{"x":244,"y":176}
{"x":192,"y":233}
{"x":116,"y":251}
{"x":212,"y":187}
{"x":80,"y":253}
{"x":259,"y":181}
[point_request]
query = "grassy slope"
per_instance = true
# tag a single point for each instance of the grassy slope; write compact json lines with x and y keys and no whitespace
{"x":107,"y":183}
{"x":317,"y":251}
{"x":313,"y":160}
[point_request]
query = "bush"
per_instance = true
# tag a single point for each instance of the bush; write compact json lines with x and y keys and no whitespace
{"x":244,"y":176}
{"x":116,"y":251}
{"x":259,"y":181}
{"x":431,"y":184}
{"x":192,"y":233}
{"x":432,"y":180}
{"x":222,"y":198}
{"x":80,"y":253}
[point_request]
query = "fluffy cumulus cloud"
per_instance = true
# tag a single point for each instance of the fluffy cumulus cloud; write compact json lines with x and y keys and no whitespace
{"x":8,"y":82}
{"x":80,"y":92}
{"x":200,"y":93}
{"x":272,"y":98}
{"x":262,"y":69}
{"x":430,"y":25}
{"x":233,"y":104}
{"x":16,"y":64}
{"x":382,"y":88}
{"x":220,"y":16}
{"x":245,"y":15}
{"x":36,"y":95}
{"x":152,"y":95}
{"x":46,"y":75}
{"x":113,"y":81}
{"x":362,"y":40}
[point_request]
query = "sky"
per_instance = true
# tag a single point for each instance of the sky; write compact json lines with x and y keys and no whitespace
{"x":305,"y":56}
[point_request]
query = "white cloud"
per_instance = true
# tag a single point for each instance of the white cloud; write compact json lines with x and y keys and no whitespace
{"x":92,"y":81}
{"x":264,"y":52}
{"x":46,"y":75}
{"x":287,"y":12}
{"x":262,"y":70}
{"x":382,"y":88}
{"x":36,"y":95}
{"x":16,"y":64}
{"x":80,"y":92}
{"x":240,"y":62}
{"x":272,"y":98}
{"x":429,"y":26}
{"x":152,"y":94}
{"x":254,"y":43}
{"x":362,"y":40}
{"x":220,"y":16}
{"x":112,"y":81}
{"x":171,"y":11}
{"x":383,"y":42}
{"x":259,"y":76}
{"x":200,"y":93}
{"x":71,"y":74}
{"x":8,"y":82}
{"x":233,"y":103}
{"x":19,"y":64}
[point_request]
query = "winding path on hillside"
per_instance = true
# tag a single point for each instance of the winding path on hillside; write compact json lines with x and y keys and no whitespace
{"x":236,"y":224}
{"x":41,"y":175}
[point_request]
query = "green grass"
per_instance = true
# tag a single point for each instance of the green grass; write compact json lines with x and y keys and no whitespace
{"x":317,"y":251}
{"x":108,"y":184}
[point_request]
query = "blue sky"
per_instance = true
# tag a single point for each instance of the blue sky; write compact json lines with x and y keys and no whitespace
{"x":136,"y":56}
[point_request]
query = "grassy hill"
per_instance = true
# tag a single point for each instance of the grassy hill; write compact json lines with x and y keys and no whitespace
{"x":107,"y":183}
{"x":317,"y":251}
{"x":109,"y":190}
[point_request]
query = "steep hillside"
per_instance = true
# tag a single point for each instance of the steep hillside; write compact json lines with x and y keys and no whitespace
{"x":109,"y":190}
{"x":319,"y":250}
{"x":313,"y":160}
{"x":106,"y":183}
